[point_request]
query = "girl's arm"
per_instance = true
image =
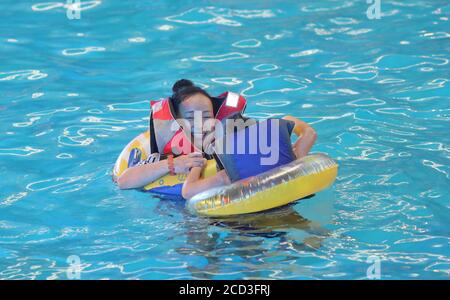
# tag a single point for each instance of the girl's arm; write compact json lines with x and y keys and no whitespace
{"x":194,"y":185}
{"x":139,"y":176}
{"x":307,"y":136}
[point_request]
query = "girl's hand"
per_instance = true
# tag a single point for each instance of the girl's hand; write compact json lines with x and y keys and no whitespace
{"x":184,"y":163}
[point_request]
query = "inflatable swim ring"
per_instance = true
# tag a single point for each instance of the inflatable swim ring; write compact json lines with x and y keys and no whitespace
{"x":274,"y":188}
{"x":271,"y":189}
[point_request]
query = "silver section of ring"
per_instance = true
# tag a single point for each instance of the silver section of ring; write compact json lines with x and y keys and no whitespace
{"x":244,"y":189}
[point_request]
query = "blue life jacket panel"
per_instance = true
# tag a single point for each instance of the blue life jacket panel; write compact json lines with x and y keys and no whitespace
{"x":253,"y":151}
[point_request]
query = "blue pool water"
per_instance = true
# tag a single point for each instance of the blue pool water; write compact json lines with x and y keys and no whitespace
{"x":73,"y":92}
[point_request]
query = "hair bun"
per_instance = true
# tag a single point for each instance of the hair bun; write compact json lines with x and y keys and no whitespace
{"x":182,"y":83}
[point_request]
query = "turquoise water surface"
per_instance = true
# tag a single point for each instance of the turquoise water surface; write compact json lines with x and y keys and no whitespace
{"x":73,"y":92}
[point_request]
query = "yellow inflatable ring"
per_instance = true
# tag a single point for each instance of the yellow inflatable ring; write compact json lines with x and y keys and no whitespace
{"x":268,"y":190}
{"x":277,"y":187}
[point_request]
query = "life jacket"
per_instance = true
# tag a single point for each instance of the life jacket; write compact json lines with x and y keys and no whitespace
{"x":167,"y":136}
{"x":257,"y":148}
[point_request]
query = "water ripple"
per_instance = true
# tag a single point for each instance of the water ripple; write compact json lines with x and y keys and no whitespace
{"x":82,"y":51}
{"x":220,"y":57}
{"x":23,"y":151}
{"x":75,"y":6}
{"x":280,"y":84}
{"x":219,"y":16}
{"x":249,"y":43}
{"x":22,"y":74}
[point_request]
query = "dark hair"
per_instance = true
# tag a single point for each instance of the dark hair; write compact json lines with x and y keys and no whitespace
{"x":183,"y":89}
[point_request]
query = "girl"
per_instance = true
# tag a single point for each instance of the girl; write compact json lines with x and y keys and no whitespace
{"x":185,"y":101}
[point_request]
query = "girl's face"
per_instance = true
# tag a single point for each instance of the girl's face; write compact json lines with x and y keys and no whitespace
{"x":197,"y":106}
